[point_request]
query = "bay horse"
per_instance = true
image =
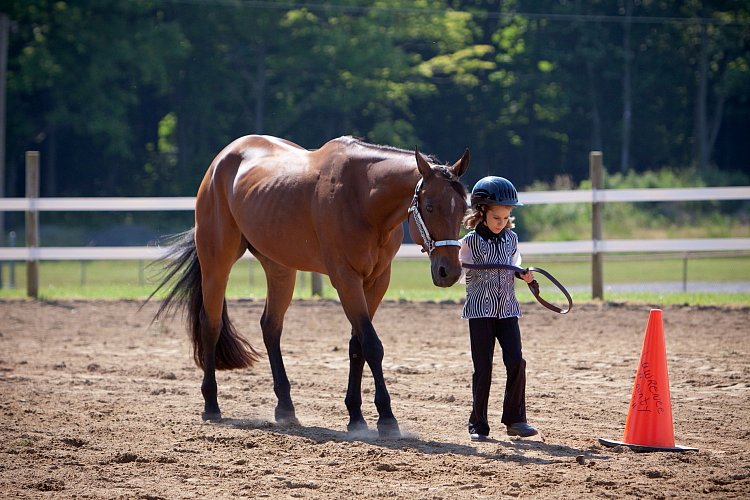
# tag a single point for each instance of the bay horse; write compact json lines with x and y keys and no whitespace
{"x":337,"y":210}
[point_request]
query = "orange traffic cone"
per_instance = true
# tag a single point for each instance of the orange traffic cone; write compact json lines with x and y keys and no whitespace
{"x":648,"y":426}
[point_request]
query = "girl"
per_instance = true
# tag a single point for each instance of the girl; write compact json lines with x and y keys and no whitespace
{"x":491,"y":305}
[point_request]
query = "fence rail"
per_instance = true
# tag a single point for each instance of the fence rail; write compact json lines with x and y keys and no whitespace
{"x":144,"y":204}
{"x":32,"y":204}
{"x":407,"y":251}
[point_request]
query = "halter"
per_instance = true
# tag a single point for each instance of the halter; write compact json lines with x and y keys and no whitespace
{"x":423,"y":231}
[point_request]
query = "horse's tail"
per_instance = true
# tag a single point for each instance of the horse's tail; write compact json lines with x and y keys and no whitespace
{"x":181,"y":266}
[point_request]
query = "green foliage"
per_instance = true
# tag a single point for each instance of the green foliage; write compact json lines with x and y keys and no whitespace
{"x":90,"y":65}
{"x":529,"y":86}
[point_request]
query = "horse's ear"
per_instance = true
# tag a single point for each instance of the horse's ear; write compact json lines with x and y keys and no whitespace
{"x":459,"y":168}
{"x":424,"y":167}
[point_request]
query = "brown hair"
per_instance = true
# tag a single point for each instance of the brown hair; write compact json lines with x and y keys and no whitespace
{"x":475,"y":215}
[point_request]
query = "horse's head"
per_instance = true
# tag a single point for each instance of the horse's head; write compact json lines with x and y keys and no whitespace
{"x":436,"y":213}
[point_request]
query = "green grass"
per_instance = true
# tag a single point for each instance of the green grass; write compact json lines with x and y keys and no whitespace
{"x":679,"y":298}
{"x":410,"y":280}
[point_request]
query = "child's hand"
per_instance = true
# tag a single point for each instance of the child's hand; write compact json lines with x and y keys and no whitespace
{"x":527,"y":276}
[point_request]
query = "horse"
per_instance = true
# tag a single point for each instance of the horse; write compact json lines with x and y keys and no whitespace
{"x":337,"y":210}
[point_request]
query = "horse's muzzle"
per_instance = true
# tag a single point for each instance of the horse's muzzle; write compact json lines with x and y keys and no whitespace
{"x":445,"y":272}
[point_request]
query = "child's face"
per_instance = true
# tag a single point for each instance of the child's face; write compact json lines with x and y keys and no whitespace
{"x":497,"y":217}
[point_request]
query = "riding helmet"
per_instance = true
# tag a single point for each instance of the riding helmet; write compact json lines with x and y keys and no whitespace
{"x":493,"y":190}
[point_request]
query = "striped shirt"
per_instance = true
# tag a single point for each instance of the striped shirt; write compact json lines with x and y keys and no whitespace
{"x":490,"y":293}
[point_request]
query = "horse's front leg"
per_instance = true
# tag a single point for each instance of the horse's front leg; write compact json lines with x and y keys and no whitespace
{"x":372,"y":349}
{"x":360,"y":303}
{"x":353,"y":398}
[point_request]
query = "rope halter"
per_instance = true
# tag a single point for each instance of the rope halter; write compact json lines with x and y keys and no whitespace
{"x":427,"y":240}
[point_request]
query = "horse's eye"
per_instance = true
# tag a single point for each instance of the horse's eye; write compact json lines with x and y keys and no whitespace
{"x":428,"y":207}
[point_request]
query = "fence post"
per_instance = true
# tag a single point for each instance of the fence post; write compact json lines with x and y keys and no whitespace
{"x":12,"y":263}
{"x":317,"y":284}
{"x":4,"y":38}
{"x":684,"y":271}
{"x":597,"y":183}
{"x":32,"y":224}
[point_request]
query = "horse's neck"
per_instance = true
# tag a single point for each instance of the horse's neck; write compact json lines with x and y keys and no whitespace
{"x":394,"y":184}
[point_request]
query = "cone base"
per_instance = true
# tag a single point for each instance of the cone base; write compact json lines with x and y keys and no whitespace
{"x":643,"y":448}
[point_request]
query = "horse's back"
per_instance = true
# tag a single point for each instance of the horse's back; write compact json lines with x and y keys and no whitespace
{"x":292,"y":204}
{"x":265,"y":186}
{"x":253,"y":150}
{"x":256,"y":157}
{"x":261,"y":158}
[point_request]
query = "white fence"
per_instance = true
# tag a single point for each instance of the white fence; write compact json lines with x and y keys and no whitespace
{"x":32,"y":204}
{"x":586,"y":246}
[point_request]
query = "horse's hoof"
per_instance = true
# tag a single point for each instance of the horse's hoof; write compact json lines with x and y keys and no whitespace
{"x":211,"y":416}
{"x":288,"y":421}
{"x":286,"y":417}
{"x":389,"y":429}
{"x":357,"y":426}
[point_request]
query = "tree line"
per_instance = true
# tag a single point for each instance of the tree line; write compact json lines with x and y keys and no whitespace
{"x":134,"y":98}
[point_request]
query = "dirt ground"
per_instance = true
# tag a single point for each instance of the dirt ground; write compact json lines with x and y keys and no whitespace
{"x":99,"y":404}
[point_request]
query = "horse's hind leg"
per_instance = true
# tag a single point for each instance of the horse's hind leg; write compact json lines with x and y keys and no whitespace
{"x":280,"y":284}
{"x":216,"y":261}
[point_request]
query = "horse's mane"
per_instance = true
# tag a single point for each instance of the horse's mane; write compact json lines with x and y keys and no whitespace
{"x":455,"y":182}
{"x":351,"y":140}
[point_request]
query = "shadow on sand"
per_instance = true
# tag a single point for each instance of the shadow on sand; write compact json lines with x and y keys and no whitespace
{"x":523,"y":451}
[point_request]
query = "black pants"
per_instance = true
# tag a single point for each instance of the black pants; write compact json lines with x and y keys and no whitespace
{"x":483,"y":332}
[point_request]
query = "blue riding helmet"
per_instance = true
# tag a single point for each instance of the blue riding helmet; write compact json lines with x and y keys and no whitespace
{"x":493,"y":190}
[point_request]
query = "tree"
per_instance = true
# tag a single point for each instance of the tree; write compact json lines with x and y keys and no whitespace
{"x":362,"y":68}
{"x":627,"y":86}
{"x":80,"y":71}
{"x":137,"y":97}
{"x":721,"y":65}
{"x":4,"y":31}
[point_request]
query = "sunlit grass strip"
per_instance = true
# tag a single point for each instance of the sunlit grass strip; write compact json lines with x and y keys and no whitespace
{"x":410,"y":280}
{"x":454,"y":294}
